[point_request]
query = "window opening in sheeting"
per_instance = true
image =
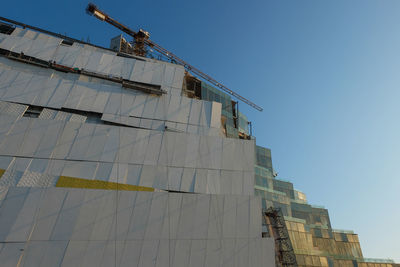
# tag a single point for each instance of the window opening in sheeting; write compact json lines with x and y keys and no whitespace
{"x":6,"y":28}
{"x":67,"y":42}
{"x":33,"y":112}
{"x":91,"y":117}
{"x":192,"y":86}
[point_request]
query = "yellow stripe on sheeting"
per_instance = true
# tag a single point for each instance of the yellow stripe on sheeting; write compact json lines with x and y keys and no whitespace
{"x":72,"y":182}
{"x":2,"y":171}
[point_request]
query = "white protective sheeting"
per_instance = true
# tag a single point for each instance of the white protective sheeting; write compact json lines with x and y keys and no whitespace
{"x":169,"y":160}
{"x":45,"y":172}
{"x":71,"y":227}
{"x":31,"y":85}
{"x":95,"y":129}
{"x":94,"y":59}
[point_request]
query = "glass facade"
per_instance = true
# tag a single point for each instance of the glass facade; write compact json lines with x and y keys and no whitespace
{"x":243,"y":124}
{"x":228,"y":113}
{"x":235,"y":123}
{"x":314,"y":241}
{"x":263,"y":157}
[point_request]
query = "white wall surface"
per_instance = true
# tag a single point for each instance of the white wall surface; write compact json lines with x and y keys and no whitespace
{"x":81,"y":227}
{"x":172,"y":143}
{"x":32,"y":85}
{"x":164,"y":160}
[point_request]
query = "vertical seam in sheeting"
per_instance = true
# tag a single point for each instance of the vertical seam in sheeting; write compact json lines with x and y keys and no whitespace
{"x":65,"y":252}
{"x":118,"y":177}
{"x":60,"y":210}
{"x":144,"y":233}
{"x":37,"y":212}
{"x":222,"y":224}
{"x":208,"y":228}
{"x":158,"y":247}
{"x":26,"y":133}
{"x":58,"y":140}
{"x":196,"y":198}
{"x":129,"y":224}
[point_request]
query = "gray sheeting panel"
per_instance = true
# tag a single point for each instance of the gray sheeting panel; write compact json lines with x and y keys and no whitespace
{"x":166,"y":159}
{"x":71,"y":227}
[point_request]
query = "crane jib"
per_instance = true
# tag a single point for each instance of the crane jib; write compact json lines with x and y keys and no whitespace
{"x":93,"y":10}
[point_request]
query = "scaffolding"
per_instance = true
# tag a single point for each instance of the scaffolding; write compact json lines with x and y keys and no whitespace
{"x":275,"y":222}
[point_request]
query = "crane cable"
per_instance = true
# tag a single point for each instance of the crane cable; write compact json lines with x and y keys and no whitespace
{"x":93,"y":10}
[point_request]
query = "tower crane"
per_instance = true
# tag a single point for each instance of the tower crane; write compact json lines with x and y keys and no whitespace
{"x":142,"y":39}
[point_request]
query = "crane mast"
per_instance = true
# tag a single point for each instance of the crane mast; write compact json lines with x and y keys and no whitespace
{"x":142,"y":39}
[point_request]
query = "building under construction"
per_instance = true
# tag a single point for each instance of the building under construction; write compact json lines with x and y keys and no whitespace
{"x":128,"y":156}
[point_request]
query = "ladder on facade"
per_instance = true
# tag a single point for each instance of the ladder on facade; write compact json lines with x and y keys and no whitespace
{"x":284,"y":252}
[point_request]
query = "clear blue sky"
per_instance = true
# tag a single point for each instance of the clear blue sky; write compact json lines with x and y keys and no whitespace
{"x":326,"y":73}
